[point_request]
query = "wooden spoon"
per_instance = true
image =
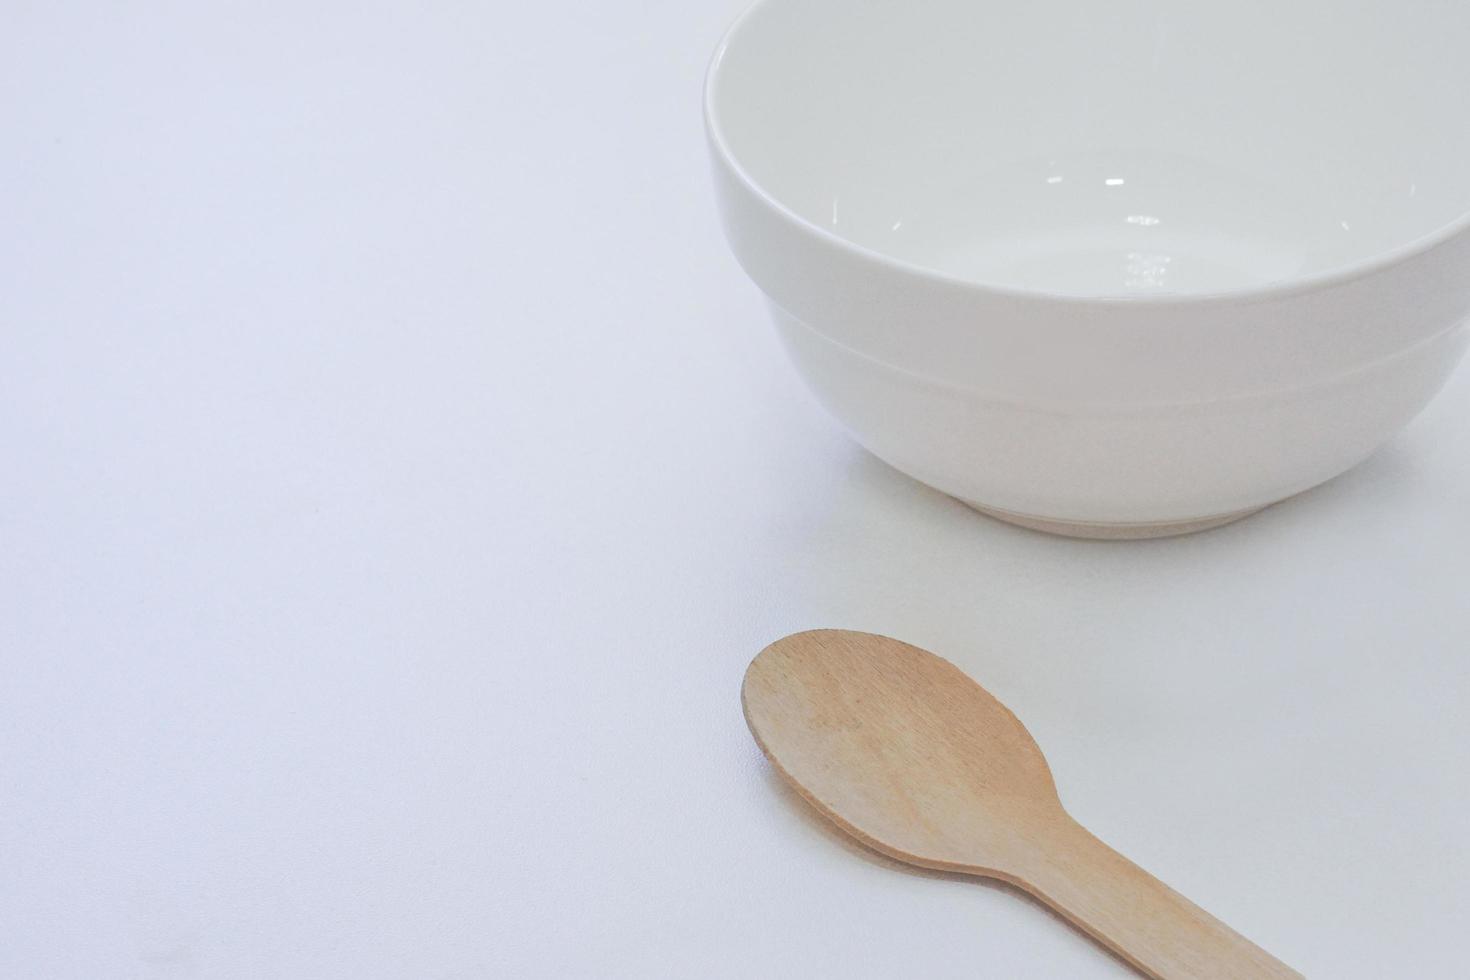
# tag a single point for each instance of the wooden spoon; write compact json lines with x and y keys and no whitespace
{"x":906,"y":753}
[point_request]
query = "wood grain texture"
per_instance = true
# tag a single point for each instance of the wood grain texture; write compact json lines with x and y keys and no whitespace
{"x":905,"y":752}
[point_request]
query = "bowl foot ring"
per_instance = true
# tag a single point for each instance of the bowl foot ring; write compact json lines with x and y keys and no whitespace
{"x":1114,"y":532}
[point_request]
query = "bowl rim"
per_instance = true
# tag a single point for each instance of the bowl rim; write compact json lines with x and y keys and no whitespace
{"x":1274,"y":289}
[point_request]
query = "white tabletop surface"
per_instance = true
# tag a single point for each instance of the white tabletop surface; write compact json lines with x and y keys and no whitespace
{"x":399,"y":475}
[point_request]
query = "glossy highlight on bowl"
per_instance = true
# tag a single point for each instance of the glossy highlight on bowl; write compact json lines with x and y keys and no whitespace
{"x":1114,"y":270}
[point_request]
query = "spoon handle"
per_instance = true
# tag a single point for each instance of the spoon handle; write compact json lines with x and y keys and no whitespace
{"x":1147,"y":923}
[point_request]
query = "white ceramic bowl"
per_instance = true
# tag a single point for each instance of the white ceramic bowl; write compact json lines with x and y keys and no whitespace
{"x":1114,"y":269}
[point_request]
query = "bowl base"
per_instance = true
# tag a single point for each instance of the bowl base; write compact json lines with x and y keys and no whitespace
{"x":1113,"y":532}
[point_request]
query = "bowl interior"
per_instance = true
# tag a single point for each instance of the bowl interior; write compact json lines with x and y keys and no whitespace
{"x":1095,"y":149}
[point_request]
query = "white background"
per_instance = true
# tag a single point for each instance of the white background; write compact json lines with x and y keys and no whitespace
{"x":398,"y":475}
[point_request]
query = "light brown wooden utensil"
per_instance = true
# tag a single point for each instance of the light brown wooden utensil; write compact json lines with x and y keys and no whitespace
{"x":906,"y":753}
